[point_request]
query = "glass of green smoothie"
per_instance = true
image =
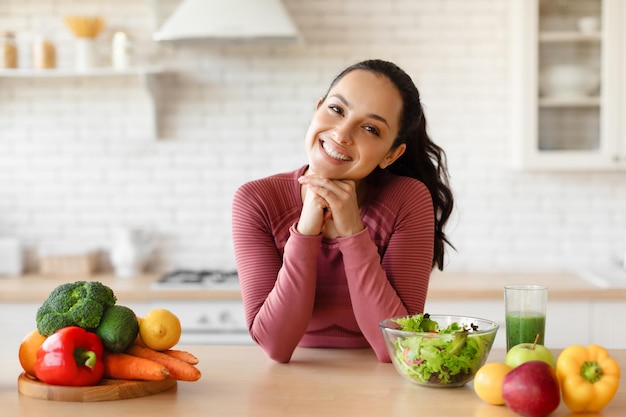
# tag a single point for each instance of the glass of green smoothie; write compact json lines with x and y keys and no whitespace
{"x":525,"y":307}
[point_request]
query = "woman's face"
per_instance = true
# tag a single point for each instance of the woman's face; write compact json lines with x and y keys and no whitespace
{"x":353,"y":129}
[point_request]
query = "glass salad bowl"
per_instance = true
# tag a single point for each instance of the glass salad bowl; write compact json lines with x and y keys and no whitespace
{"x":438,"y":350}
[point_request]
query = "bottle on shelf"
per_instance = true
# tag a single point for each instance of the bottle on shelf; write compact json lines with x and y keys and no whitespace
{"x":121,"y":51}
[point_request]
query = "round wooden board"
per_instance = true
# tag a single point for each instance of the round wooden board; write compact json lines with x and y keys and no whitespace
{"x":106,"y":390}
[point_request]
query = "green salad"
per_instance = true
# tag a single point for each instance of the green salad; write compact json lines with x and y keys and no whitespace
{"x":440,"y":356}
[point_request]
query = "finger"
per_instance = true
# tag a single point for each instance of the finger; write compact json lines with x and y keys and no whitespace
{"x":314,"y":197}
{"x":335,"y":186}
{"x":314,"y":180}
{"x":322,"y":193}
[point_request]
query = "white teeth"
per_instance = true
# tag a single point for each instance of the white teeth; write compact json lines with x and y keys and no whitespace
{"x":334,"y":154}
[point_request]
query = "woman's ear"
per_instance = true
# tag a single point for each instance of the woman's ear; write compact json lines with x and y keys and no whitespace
{"x":319,"y":103}
{"x":392,"y":156}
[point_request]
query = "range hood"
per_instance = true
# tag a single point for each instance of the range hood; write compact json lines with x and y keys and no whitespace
{"x":238,"y":20}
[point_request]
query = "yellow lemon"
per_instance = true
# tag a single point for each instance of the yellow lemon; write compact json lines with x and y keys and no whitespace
{"x":488,"y":382}
{"x":160,"y":329}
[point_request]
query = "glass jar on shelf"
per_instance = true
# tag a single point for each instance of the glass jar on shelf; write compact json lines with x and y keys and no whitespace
{"x":44,"y":53}
{"x":8,"y":50}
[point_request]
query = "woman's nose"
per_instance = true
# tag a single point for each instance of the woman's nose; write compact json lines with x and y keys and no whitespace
{"x":343,"y":134}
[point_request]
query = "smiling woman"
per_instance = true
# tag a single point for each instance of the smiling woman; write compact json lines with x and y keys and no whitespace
{"x":355,"y":125}
{"x":325,"y":252}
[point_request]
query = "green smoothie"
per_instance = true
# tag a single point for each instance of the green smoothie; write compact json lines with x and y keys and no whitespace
{"x":523,"y":327}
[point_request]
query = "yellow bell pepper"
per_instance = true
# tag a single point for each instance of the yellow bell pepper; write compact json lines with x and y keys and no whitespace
{"x":588,"y":377}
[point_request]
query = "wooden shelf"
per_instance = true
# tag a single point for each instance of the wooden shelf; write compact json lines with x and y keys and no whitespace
{"x":70,"y":72}
{"x":146,"y":74}
{"x":591,"y":101}
{"x":569,"y":36}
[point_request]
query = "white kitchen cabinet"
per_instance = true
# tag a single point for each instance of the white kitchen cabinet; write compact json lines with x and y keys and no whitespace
{"x":16,"y":321}
{"x":147,"y":75}
{"x":567,"y":322}
{"x":606,"y":324}
{"x":567,"y":128}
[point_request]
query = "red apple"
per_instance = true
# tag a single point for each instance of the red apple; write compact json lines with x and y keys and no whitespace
{"x":531,"y":389}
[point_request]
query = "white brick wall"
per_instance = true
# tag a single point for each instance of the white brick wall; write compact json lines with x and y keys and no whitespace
{"x":73,"y":163}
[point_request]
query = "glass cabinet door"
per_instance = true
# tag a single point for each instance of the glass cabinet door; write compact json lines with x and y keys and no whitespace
{"x":568,"y":61}
{"x":569,"y":66}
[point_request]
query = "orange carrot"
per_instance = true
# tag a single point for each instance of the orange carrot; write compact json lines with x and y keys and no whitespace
{"x":179,"y":369}
{"x":138,"y":340}
{"x":124,"y":366}
{"x":183,"y":355}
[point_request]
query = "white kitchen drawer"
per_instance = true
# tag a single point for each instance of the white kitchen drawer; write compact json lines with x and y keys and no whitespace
{"x":568,"y":323}
{"x":605,"y":324}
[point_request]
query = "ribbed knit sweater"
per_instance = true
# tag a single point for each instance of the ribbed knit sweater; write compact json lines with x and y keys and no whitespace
{"x":311,"y":291}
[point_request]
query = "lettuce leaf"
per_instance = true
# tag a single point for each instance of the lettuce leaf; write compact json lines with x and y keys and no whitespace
{"x":419,"y":323}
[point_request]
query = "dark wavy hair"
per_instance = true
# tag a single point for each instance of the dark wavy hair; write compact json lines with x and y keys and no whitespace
{"x":423,"y":159}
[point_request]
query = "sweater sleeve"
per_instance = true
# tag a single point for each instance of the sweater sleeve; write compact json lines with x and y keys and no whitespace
{"x":397,"y":284}
{"x":278,"y":290}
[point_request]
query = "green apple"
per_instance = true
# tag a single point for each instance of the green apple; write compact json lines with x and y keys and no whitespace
{"x":525,"y":352}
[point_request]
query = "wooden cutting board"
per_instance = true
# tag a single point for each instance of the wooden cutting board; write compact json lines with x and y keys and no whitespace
{"x":106,"y":390}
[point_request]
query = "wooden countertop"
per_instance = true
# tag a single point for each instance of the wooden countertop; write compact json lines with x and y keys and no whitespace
{"x":241,"y":381}
{"x":489,"y":285}
{"x":36,"y":288}
{"x":443,"y":286}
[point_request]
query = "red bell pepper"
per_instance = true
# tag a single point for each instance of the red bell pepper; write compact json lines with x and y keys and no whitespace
{"x":71,"y":356}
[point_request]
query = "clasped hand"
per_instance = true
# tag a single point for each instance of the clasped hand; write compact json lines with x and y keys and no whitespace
{"x":329,"y":204}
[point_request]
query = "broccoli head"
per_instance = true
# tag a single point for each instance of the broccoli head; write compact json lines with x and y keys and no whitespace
{"x":80,"y":303}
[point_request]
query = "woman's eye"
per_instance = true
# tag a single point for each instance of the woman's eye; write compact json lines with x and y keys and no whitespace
{"x":336,"y":109}
{"x":372,"y":130}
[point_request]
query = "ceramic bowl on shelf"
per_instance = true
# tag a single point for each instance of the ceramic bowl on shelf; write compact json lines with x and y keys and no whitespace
{"x":588,"y":24}
{"x":445,"y":352}
{"x":568,"y":81}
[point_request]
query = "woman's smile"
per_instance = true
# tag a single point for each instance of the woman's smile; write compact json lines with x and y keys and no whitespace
{"x":334,"y":153}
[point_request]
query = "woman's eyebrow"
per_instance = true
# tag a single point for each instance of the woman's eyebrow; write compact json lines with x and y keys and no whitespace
{"x":371,"y":115}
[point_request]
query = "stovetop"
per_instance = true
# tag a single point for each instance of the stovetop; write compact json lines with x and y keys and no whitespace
{"x":187,"y":279}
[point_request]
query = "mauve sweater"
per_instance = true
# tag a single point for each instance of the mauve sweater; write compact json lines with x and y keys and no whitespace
{"x":314,"y":292}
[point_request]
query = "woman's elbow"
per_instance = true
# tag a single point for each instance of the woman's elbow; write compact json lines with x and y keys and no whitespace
{"x":274,"y":346}
{"x":382,"y":354}
{"x":277,"y":354}
{"x":275,"y":351}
